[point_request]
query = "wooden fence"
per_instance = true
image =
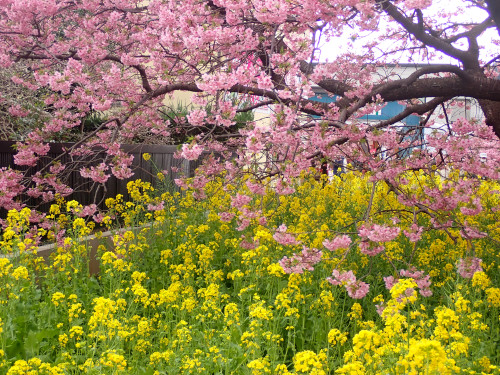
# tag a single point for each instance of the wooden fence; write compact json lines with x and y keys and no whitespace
{"x":84,"y":190}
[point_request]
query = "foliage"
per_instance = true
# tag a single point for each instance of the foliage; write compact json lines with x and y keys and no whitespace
{"x":21,"y":109}
{"x":195,"y":292}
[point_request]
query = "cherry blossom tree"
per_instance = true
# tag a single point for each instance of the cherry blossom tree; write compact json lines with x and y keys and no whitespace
{"x":125,"y":58}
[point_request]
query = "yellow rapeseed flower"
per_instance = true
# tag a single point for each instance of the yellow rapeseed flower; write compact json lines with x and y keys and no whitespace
{"x":259,"y":366}
{"x":481,"y":280}
{"x":336,"y":337}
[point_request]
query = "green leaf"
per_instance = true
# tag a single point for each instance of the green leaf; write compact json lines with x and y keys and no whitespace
{"x":35,"y":340}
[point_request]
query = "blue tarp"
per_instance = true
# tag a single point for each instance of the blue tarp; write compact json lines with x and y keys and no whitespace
{"x":390,"y":110}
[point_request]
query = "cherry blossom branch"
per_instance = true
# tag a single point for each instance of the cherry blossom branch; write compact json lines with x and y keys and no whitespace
{"x":140,"y":69}
{"x":418,"y":108}
{"x":477,"y":30}
{"x":419,"y":32}
{"x":255,"y":106}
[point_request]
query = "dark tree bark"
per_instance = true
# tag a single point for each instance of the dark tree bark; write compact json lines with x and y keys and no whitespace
{"x":491,"y":112}
{"x":494,"y":11}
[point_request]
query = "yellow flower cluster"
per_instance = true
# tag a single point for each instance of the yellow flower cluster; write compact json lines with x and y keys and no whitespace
{"x":309,"y":362}
{"x":196,"y":286}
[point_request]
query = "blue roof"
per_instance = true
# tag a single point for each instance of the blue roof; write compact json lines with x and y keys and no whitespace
{"x":390,"y":110}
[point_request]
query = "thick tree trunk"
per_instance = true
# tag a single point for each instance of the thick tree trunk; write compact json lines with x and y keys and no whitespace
{"x":491,"y":112}
{"x":494,"y":10}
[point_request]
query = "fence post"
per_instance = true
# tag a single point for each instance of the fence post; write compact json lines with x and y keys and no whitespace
{"x":185,"y":166}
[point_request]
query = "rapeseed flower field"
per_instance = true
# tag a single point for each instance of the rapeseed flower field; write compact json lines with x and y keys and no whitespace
{"x":235,"y":282}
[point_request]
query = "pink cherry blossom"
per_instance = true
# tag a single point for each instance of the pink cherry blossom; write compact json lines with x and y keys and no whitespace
{"x":96,"y":173}
{"x":339,"y":242}
{"x":156,"y":207}
{"x":379,"y":233}
{"x":282,"y":237}
{"x":390,"y":281}
{"x":357,"y":289}
{"x":414,"y":233}
{"x":197,"y":117}
{"x":467,"y":267}
{"x":256,"y":188}
{"x":305,"y":261}
{"x":341,"y":278}
{"x":243,"y":224}
{"x":191,"y":152}
{"x":370,"y":248}
{"x":240,"y":200}
{"x":88,"y":210}
{"x":226,"y":216}
{"x":18,"y":111}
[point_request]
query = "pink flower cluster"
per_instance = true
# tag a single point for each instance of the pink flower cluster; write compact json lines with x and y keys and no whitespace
{"x":156,"y":207}
{"x":370,"y":248}
{"x":121,"y":166}
{"x":254,"y":140}
{"x":264,"y":82}
{"x":10,"y":187}
{"x":284,"y":238}
{"x":282,"y":188}
{"x":306,"y":260}
{"x":18,"y":111}
{"x":475,"y":208}
{"x":414,"y":233}
{"x":339,"y":242}
{"x":379,"y":233}
{"x":470,"y":232}
{"x":256,"y":188}
{"x":87,"y":210}
{"x":197,"y":117}
{"x":191,"y":152}
{"x":468,"y":267}
{"x":244,"y":223}
{"x":240,"y":200}
{"x":356,"y":289}
{"x":29,"y":153}
{"x":249,"y":245}
{"x":372,"y":234}
{"x":422,"y":280}
{"x":226,"y":217}
{"x":96,"y":173}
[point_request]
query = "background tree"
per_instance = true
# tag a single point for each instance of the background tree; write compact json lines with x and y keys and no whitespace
{"x":181,"y":131}
{"x":21,"y":108}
